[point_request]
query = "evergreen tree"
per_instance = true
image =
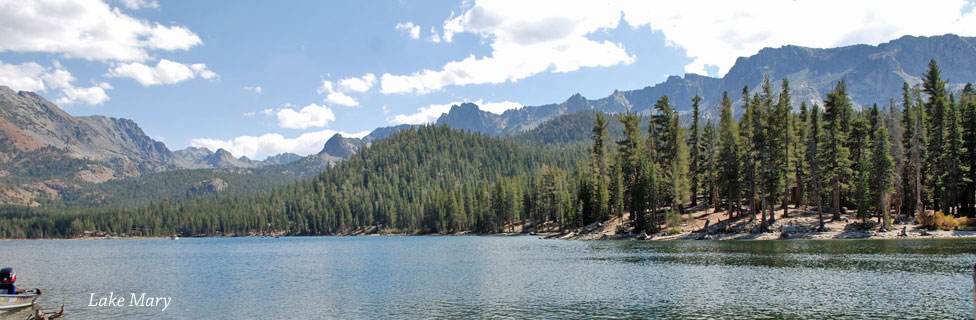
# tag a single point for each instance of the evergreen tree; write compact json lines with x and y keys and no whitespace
{"x":630,"y":150}
{"x":913,"y":120}
{"x":710,"y":153}
{"x":729,"y":156}
{"x":695,"y":150}
{"x":881,"y":174}
{"x":599,"y":178}
{"x":967,"y":106}
{"x":836,"y":161}
{"x":892,"y":120}
{"x":859,"y":144}
{"x":749,"y":153}
{"x":953,"y":157}
{"x":815,"y":156}
{"x":936,"y":109}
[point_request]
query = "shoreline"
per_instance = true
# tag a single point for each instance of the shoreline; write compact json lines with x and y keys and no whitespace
{"x":765,"y":236}
{"x":799,"y":225}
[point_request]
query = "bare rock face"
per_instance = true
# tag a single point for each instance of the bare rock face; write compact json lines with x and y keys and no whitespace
{"x":29,"y":122}
{"x":340,"y":147}
{"x":209,"y":186}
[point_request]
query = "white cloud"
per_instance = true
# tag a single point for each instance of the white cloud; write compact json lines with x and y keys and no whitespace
{"x":86,"y":29}
{"x":139,"y":4}
{"x":201,"y":70}
{"x":423,"y":115}
{"x":361,"y":84}
{"x":259,"y":147}
{"x":266,"y":112}
{"x":434,"y":37}
{"x":527,"y":38}
{"x":312,"y":115}
{"x":341,"y":99}
{"x":255,"y":89}
{"x":336,"y":92}
{"x":24,"y":76}
{"x":327,"y":86}
{"x":165,"y":72}
{"x":498,"y":107}
{"x":409,"y":28}
{"x":717,"y":33}
{"x":430,"y":113}
{"x":531,"y":37}
{"x":31,"y":76}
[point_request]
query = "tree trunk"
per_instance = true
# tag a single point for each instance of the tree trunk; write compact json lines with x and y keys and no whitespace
{"x":836,"y":199}
{"x":820,"y":210}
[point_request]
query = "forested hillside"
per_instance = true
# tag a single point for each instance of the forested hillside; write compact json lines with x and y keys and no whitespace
{"x":902,"y":159}
{"x":428,"y":179}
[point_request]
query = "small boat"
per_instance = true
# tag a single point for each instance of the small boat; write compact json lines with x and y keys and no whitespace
{"x":10,"y":297}
{"x":14,"y":301}
{"x":175,"y":237}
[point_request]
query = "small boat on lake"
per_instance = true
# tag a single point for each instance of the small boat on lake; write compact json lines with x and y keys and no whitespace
{"x":175,"y":237}
{"x":10,"y":297}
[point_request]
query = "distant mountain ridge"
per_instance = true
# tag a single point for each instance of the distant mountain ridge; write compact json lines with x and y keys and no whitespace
{"x":46,"y":153}
{"x":874,"y":74}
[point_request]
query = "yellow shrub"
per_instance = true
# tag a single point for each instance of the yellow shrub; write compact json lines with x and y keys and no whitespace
{"x":937,"y":220}
{"x":966,"y":223}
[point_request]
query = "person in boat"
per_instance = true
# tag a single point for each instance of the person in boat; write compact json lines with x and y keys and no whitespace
{"x":8,"y":280}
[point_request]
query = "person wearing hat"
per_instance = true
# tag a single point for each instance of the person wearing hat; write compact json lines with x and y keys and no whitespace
{"x":8,"y":281}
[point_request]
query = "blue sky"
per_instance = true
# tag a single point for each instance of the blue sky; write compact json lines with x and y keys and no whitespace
{"x":189,"y":71}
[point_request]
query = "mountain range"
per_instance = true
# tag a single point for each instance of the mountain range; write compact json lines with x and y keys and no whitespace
{"x":874,"y":74}
{"x":45,"y":152}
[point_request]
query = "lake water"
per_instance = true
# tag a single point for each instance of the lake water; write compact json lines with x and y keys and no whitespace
{"x":485,"y":277}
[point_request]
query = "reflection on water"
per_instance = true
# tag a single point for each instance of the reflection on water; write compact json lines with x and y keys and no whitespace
{"x":520,"y":277}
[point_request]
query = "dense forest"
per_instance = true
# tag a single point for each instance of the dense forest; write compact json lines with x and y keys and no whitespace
{"x":908,"y":157}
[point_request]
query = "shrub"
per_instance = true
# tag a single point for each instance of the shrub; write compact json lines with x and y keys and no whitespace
{"x":966,"y":223}
{"x":620,"y":229}
{"x":674,"y":230}
{"x":673,"y":218}
{"x":937,"y":220}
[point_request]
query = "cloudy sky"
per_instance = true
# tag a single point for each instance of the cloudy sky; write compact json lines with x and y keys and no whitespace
{"x":260,"y":77}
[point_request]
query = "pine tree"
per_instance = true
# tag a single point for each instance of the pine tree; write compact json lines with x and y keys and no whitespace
{"x":710,"y":162}
{"x":936,"y":109}
{"x":954,"y":153}
{"x":729,"y":155}
{"x":695,"y":152}
{"x":598,"y":172}
{"x":617,"y":186}
{"x":799,"y":141}
{"x":837,"y":163}
{"x":814,"y":155}
{"x":892,"y":121}
{"x":782,"y":127}
{"x":967,"y":106}
{"x":913,"y":120}
{"x":881,"y":174}
{"x":748,"y":154}
{"x":630,"y":150}
{"x":859,"y":144}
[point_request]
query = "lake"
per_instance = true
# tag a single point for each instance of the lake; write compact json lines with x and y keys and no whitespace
{"x":483,"y":277}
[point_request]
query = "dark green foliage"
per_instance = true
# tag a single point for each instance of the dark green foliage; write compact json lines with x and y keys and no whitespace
{"x":836,"y":150}
{"x":729,"y":155}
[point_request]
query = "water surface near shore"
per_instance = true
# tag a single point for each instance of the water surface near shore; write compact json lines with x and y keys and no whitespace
{"x":519,"y":276}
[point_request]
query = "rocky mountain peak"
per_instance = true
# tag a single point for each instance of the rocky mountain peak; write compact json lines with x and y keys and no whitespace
{"x":341,"y":147}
